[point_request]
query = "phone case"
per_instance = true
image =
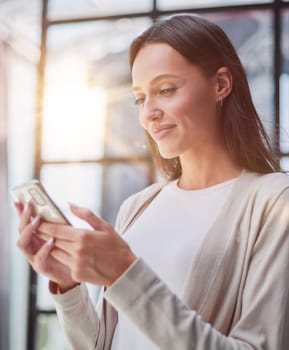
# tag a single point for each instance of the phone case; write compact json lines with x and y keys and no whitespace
{"x":42,"y":203}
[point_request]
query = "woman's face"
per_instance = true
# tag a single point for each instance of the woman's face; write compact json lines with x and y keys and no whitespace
{"x":177,"y":102}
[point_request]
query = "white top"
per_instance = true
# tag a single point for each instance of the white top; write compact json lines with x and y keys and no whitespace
{"x":167,"y":236}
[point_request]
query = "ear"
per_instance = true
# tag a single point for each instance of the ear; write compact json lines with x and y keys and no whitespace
{"x":224,"y":83}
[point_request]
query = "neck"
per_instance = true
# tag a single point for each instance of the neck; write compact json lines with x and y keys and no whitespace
{"x":209,"y":167}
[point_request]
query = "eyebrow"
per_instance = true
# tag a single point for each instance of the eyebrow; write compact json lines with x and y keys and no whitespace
{"x":157,"y":79}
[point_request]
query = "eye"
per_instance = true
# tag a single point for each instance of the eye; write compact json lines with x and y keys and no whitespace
{"x":139,"y":100}
{"x":167,"y":91}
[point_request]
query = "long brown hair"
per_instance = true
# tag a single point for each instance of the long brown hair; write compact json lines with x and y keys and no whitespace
{"x":205,"y":45}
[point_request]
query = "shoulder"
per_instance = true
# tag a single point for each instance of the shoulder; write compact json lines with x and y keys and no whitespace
{"x":273,"y":183}
{"x":276,"y":180}
{"x":131,"y":206}
{"x":263,"y":190}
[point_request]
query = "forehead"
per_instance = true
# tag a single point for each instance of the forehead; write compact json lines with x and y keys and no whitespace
{"x":156,"y":59}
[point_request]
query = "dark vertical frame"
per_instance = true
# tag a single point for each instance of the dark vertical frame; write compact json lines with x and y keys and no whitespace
{"x":276,"y":8}
{"x":32,"y":292}
{"x":277,"y":72}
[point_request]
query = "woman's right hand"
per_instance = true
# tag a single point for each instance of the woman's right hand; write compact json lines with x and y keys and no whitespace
{"x":37,"y":249}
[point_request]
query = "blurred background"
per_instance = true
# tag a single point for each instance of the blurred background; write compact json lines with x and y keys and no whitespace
{"x":67,"y":116}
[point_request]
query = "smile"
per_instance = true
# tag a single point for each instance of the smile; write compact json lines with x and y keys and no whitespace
{"x":159,"y":132}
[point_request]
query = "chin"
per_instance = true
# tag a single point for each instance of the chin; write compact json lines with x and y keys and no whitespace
{"x":168,"y":155}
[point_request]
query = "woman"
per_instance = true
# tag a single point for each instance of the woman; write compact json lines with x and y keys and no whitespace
{"x":198,"y":262}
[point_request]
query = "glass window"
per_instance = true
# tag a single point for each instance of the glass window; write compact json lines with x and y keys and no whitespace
{"x":189,"y":4}
{"x":76,"y":183}
{"x":124,"y":135}
{"x":81,"y":8}
{"x":119,"y":181}
{"x":284,"y":86}
{"x":44,"y":298}
{"x":73,"y":121}
{"x":49,"y":334}
{"x":87,"y":90}
{"x":284,"y":163}
{"x":21,"y":22}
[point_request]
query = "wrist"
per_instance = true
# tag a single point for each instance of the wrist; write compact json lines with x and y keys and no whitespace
{"x":65,"y":288}
{"x":56,"y":288}
{"x":123,"y":267}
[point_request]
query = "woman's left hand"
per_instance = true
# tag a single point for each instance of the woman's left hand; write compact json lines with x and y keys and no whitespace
{"x":97,"y":256}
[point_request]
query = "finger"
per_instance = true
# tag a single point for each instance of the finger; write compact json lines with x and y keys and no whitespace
{"x":62,"y":231}
{"x":26,"y":236}
{"x":19,"y":207}
{"x":61,"y":256}
{"x":66,"y":246}
{"x":43,"y":236}
{"x":42,"y":255}
{"x":87,"y":215}
{"x":25,"y":216}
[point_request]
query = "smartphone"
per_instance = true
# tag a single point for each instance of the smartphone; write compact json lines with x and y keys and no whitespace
{"x":43,"y":205}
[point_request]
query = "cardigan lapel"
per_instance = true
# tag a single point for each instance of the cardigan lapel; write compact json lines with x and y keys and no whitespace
{"x":140,"y":204}
{"x":219,"y":260}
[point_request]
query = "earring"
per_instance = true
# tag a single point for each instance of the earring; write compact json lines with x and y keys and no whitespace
{"x":221,"y":103}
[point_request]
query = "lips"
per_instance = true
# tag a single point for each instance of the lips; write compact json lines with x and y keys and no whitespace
{"x":160,"y":131}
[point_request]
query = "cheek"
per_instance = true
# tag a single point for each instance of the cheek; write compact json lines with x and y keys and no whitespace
{"x":185,"y":108}
{"x":199,"y":106}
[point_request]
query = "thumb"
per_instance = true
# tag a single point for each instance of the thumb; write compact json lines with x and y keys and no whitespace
{"x":87,"y":215}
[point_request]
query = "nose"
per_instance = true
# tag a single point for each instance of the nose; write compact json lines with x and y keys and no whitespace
{"x":155,"y":114}
{"x":150,"y":112}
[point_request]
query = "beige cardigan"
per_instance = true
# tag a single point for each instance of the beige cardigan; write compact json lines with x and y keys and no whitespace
{"x":237,"y":291}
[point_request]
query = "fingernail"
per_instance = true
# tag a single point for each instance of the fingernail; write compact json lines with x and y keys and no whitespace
{"x":35,"y":220}
{"x":26,"y":206}
{"x":16,"y":206}
{"x":50,"y":241}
